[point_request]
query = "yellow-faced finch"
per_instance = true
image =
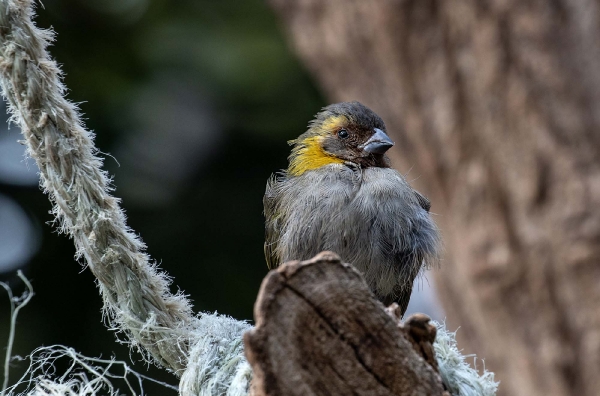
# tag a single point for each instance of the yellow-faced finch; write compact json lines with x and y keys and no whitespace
{"x":340,"y":194}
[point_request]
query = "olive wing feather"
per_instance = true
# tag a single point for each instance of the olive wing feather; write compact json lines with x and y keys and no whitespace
{"x":272,"y":223}
{"x":424,"y":202}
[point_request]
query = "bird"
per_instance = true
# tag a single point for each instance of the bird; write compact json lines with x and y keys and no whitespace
{"x":339,"y":193}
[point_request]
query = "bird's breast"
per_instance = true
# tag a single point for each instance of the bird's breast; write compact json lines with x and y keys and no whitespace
{"x":372,"y":220}
{"x":333,"y":208}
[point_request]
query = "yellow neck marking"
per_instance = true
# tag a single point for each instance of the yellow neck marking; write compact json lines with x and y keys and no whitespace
{"x":308,"y":154}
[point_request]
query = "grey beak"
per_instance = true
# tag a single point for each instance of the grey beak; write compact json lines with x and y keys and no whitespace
{"x":379,"y":143}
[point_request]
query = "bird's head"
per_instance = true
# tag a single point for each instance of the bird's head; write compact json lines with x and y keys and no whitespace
{"x":341,"y":132}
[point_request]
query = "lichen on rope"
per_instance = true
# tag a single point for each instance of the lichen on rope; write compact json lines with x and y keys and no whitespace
{"x":136,"y":295}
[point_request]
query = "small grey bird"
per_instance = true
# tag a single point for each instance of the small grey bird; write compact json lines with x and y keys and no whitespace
{"x":340,"y":194}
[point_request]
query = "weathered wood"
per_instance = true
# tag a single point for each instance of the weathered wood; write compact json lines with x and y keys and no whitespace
{"x":320,"y":331}
{"x":495,"y":110}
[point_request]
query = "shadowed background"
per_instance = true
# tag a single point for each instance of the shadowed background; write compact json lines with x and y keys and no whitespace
{"x":193,"y":103}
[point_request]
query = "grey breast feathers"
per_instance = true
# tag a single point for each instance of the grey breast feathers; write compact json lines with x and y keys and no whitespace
{"x":371,"y":217}
{"x":298,"y":208}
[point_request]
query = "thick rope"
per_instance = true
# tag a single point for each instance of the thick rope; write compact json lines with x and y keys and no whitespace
{"x":135,"y":293}
{"x":136,"y":297}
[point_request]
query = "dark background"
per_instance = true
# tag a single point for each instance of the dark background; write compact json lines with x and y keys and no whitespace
{"x":193,"y":101}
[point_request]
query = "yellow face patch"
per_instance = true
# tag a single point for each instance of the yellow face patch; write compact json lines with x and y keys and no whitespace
{"x":334,"y":122}
{"x":308,"y":154}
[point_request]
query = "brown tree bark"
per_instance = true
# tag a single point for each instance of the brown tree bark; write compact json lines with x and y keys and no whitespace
{"x":495,"y":110}
{"x":320,"y":331}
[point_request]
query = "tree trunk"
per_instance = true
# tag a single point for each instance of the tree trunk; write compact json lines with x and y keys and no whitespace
{"x":495,"y":110}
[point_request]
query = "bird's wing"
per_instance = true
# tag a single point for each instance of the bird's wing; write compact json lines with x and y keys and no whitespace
{"x":424,"y":202}
{"x":402,"y":298}
{"x":272,"y":222}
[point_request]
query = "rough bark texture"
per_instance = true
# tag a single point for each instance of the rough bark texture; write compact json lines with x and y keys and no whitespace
{"x":495,"y":106}
{"x":320,"y":331}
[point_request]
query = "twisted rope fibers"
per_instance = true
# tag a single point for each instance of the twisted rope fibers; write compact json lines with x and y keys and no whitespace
{"x":137,"y":301}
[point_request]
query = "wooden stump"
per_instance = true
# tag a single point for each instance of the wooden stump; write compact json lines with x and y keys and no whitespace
{"x":320,"y":331}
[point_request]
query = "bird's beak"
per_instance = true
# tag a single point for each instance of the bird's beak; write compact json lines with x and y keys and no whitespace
{"x":379,"y":143}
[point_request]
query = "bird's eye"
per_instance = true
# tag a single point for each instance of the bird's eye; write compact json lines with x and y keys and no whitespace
{"x":343,"y":133}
